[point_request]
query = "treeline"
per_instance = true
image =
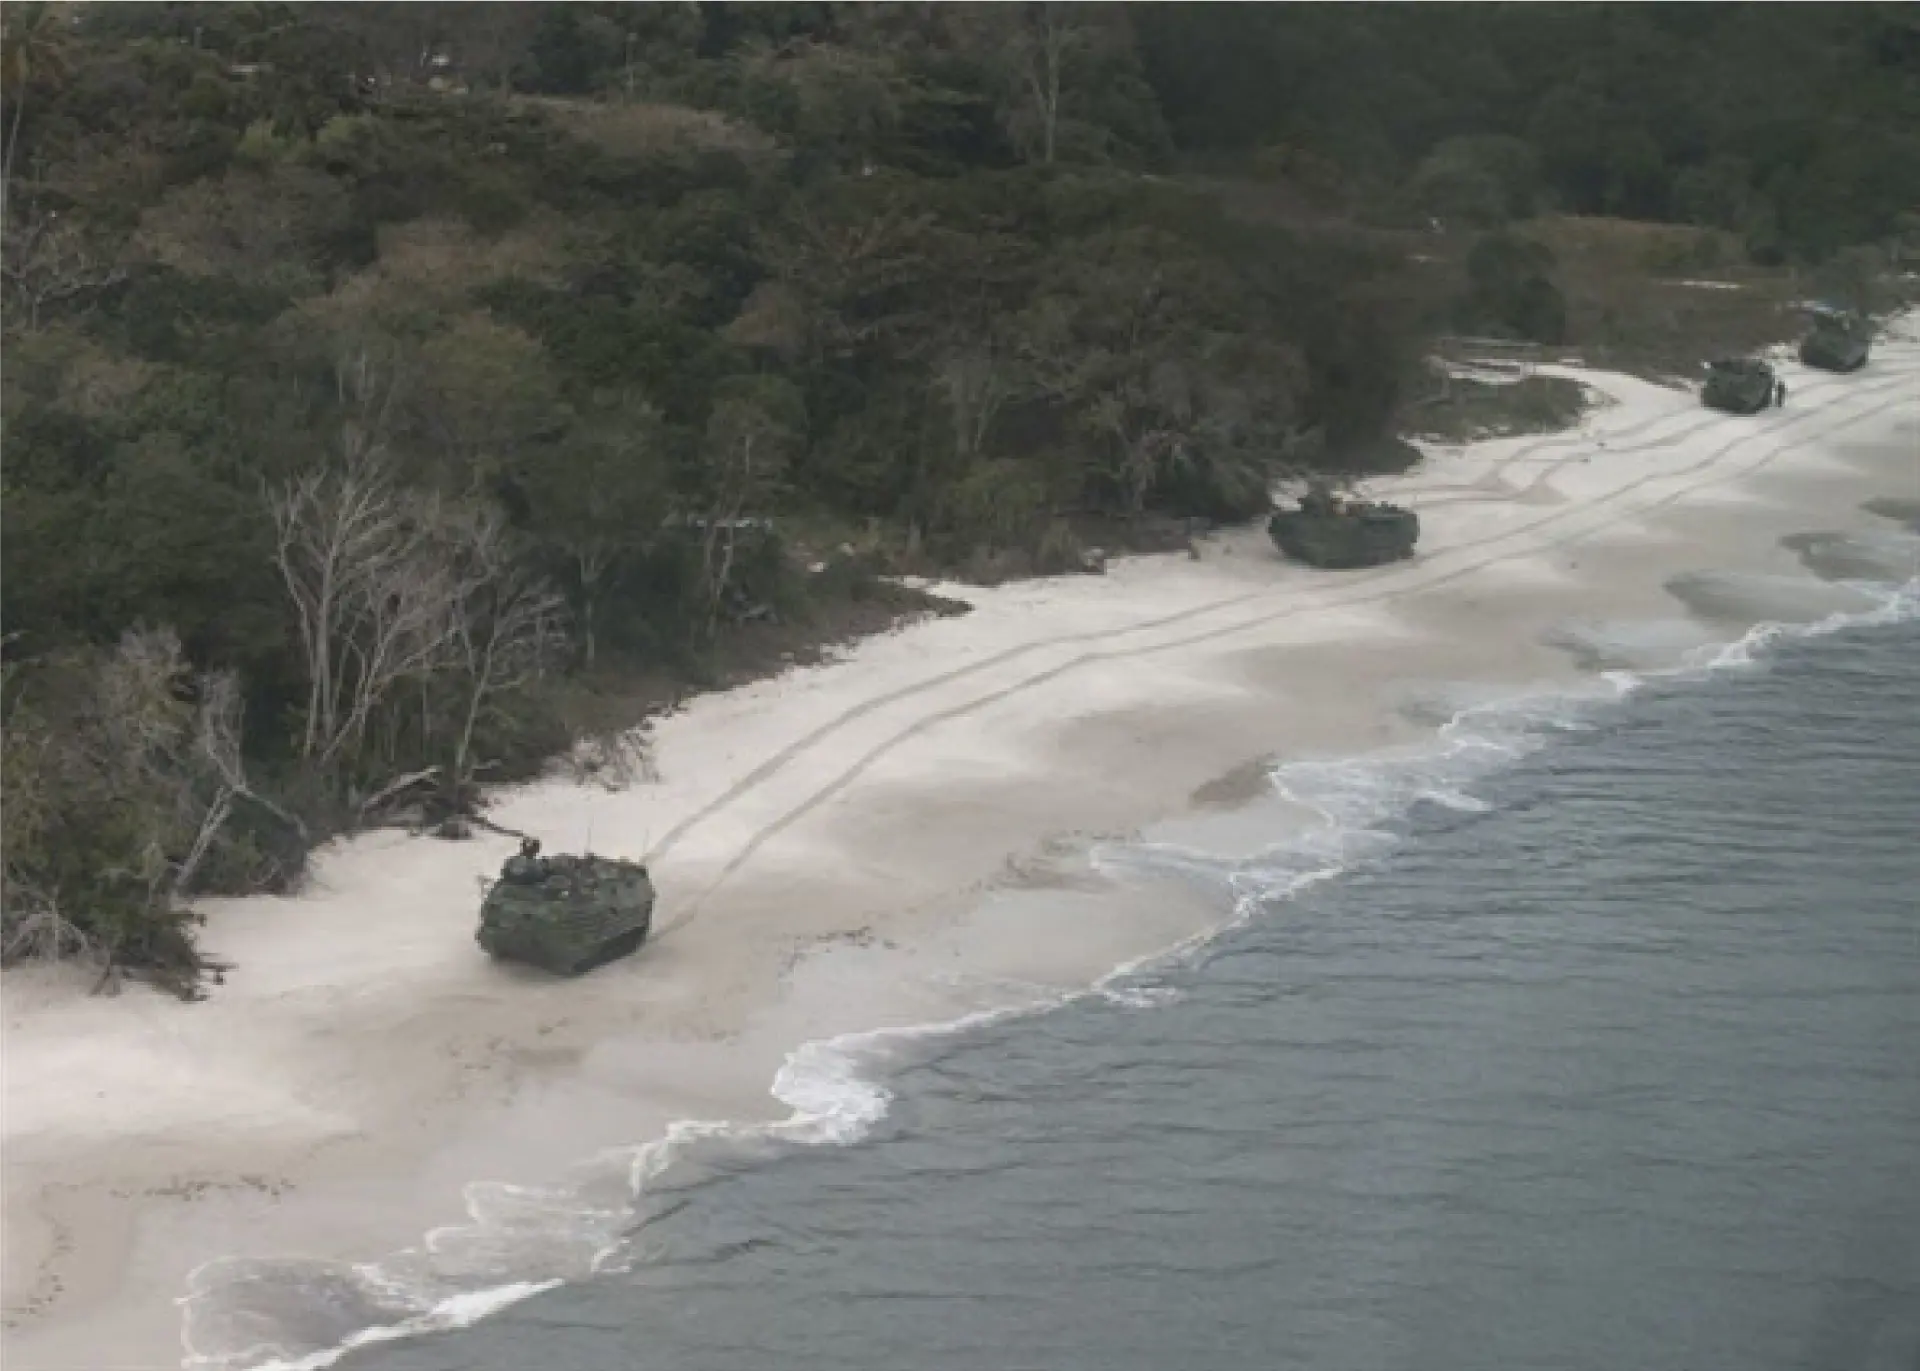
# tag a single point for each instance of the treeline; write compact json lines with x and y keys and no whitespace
{"x":373,"y":371}
{"x":1794,"y":126}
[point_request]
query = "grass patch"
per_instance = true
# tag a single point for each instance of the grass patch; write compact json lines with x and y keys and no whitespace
{"x":1634,"y":303}
{"x":1468,"y":410}
{"x":1633,"y":294}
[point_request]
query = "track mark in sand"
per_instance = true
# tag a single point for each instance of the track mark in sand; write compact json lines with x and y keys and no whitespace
{"x":931,"y":721}
{"x":49,"y":1286}
{"x":1492,"y":484}
{"x":1368,"y":592}
{"x":779,"y":759}
{"x":1693,"y":421}
{"x":1364,"y":580}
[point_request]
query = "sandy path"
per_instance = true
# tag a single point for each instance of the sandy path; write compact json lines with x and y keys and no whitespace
{"x":916,"y":805}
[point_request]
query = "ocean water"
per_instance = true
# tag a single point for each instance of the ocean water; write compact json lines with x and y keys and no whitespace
{"x":1587,"y":1035}
{"x":1587,"y":1038}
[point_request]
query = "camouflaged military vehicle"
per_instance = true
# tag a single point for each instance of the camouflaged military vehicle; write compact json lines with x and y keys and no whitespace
{"x":566,"y":914}
{"x":1340,"y":532}
{"x":1839,"y":341}
{"x":1739,"y":385}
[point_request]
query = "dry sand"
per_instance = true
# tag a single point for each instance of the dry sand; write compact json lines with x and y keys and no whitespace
{"x":894,"y":838}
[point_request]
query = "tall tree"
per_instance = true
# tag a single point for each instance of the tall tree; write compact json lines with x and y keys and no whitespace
{"x":599,"y":499}
{"x":1042,"y":57}
{"x":750,"y":438}
{"x":33,"y":49}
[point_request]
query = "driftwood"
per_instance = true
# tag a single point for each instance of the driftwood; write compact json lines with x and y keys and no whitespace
{"x":492,"y":827}
{"x":400,"y":785}
{"x":454,"y":816}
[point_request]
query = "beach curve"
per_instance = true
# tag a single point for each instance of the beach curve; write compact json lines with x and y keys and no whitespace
{"x":775,"y":846}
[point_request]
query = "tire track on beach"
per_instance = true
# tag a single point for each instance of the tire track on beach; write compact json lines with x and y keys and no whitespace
{"x":775,"y":762}
{"x":1488,"y":489}
{"x":1367,"y":591}
{"x":1379,"y":595}
{"x":1693,"y":421}
{"x":1365,"y":580}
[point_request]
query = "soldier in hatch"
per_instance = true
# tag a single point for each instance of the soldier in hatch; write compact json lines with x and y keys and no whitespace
{"x":526,"y":867}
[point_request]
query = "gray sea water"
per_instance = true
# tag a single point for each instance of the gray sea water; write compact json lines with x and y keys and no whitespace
{"x":1606,"y":1054}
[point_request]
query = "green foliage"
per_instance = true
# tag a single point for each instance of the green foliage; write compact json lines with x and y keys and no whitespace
{"x":1679,"y":249}
{"x":1510,"y":289}
{"x":121,"y":770}
{"x":1794,"y":126}
{"x":1001,"y":503}
{"x":1467,"y":410}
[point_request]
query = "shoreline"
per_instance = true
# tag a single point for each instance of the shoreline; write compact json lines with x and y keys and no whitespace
{"x":918,"y":807}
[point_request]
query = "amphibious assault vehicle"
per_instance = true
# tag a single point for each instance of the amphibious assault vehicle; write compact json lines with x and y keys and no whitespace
{"x":1739,"y":385}
{"x":1339,"y":532}
{"x":1839,"y":341}
{"x":566,"y":914}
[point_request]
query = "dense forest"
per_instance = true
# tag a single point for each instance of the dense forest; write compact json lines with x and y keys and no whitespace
{"x":377,"y":377}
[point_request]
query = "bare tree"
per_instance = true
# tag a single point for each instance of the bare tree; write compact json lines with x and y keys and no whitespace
{"x":1040,"y":48}
{"x":404,"y":602}
{"x":976,"y":383}
{"x":747,"y":444}
{"x":375,"y":605}
{"x":1146,"y":440}
{"x":593,"y":556}
{"x":32,"y":922}
{"x":219,"y":738}
{"x":32,"y":49}
{"x":373,"y":596}
{"x":1037,"y":51}
{"x":508,"y":627}
{"x":50,"y":262}
{"x":187,"y":755}
{"x":216,"y":743}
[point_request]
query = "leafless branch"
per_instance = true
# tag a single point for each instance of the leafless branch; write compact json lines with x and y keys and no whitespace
{"x":48,"y":261}
{"x":507,"y":625}
{"x":976,"y":384}
{"x":365,"y":566}
{"x":399,"y":785}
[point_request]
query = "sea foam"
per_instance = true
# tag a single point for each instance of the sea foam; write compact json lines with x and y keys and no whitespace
{"x":303,"y":1315}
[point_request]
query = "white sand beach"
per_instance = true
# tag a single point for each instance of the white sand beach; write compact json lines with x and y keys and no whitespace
{"x":894,"y":838}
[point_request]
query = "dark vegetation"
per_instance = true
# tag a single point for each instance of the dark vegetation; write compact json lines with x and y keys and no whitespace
{"x":1466,"y":408}
{"x":392,"y":391}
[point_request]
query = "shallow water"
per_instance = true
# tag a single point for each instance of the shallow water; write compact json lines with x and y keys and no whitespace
{"x":1606,"y":1055}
